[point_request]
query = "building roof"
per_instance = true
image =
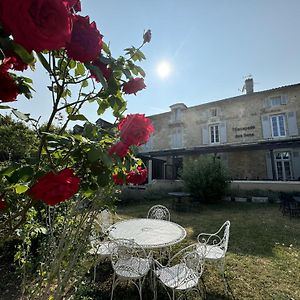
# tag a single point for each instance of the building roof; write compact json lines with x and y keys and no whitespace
{"x":239,"y":97}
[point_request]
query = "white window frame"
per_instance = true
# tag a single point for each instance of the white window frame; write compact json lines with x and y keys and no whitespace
{"x":281,"y":160}
{"x":276,"y":117}
{"x":214,"y":133}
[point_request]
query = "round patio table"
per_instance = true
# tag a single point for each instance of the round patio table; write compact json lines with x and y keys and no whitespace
{"x":148,"y":233}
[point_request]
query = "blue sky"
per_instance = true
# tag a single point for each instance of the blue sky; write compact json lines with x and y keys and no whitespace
{"x":211,"y":45}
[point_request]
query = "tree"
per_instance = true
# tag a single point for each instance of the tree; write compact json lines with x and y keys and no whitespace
{"x":17,"y":141}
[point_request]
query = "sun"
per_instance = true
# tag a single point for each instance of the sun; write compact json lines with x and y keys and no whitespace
{"x":163,"y":69}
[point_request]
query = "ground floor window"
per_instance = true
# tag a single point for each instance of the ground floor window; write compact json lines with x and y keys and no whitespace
{"x":283,"y":165}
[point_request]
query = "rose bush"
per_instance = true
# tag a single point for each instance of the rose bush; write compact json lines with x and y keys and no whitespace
{"x":78,"y":170}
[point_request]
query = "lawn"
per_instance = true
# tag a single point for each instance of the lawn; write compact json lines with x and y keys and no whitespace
{"x":262,"y":262}
{"x":263,"y":258}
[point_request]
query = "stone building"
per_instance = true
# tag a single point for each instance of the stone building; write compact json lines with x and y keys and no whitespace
{"x":255,"y":134}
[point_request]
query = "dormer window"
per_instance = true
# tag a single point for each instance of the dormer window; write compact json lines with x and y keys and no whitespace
{"x":176,"y":112}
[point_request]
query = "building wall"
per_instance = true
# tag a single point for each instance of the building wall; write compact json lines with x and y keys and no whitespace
{"x":238,"y":120}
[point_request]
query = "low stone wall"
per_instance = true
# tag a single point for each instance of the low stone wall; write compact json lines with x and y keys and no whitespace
{"x":160,"y":188}
{"x":156,"y":189}
{"x":274,"y":186}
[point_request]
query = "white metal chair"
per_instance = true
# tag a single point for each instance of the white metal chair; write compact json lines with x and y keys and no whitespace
{"x":215,"y":246}
{"x":100,"y":246}
{"x":159,"y":212}
{"x":183,"y":272}
{"x":130,"y":263}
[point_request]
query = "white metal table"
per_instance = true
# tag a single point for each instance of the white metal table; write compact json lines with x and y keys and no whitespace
{"x":148,"y":233}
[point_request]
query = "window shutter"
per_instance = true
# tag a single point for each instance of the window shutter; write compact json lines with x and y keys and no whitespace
{"x":205,"y":134}
{"x":292,"y":123}
{"x":179,"y":138}
{"x":269,"y":166}
{"x":296,"y":165}
{"x":266,"y":126}
{"x":267,"y":102}
{"x":223,"y":133}
{"x":284,"y":100}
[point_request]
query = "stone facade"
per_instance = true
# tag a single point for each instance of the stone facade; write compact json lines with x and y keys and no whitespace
{"x":255,"y":134}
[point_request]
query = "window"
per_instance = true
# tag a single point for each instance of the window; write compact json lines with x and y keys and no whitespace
{"x":278,"y":126}
{"x":177,"y":114}
{"x":275,"y":101}
{"x":213,"y":112}
{"x":283,"y":166}
{"x":177,"y":138}
{"x":214,"y":134}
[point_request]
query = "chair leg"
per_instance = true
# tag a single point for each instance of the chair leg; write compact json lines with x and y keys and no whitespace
{"x":140,"y":289}
{"x":113,"y":286}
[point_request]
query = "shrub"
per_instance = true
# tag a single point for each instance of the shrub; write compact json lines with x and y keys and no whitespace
{"x":206,"y":178}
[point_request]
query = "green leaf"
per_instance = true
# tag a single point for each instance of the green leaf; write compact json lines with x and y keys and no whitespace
{"x":18,"y":114}
{"x":103,"y":105}
{"x":26,"y":57}
{"x":80,"y":70}
{"x":72,"y":64}
{"x":44,"y":62}
{"x":107,"y":160}
{"x":77,"y":118}
{"x":21,"y":188}
{"x":7,"y":171}
{"x":84,"y":83}
{"x":127,"y":73}
{"x":94,"y":154}
{"x":69,"y":110}
{"x":98,"y":73}
{"x":4,"y":107}
{"x":138,"y":55}
{"x":105,"y":48}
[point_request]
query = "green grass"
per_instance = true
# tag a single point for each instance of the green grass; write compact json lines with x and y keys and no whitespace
{"x":263,"y":258}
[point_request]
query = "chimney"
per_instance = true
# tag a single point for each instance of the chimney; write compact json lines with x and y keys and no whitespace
{"x":249,"y":86}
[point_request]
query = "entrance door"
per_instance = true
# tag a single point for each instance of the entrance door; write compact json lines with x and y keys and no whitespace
{"x":283,"y":166}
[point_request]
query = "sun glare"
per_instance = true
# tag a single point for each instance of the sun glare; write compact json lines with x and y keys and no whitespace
{"x":163,"y":69}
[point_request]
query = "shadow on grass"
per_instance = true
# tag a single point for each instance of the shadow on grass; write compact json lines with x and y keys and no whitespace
{"x":255,"y":228}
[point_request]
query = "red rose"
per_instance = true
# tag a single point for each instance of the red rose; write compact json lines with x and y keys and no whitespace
{"x":118,"y":180}
{"x":37,"y":24}
{"x":3,"y":204}
{"x":135,"y":129}
{"x":134,"y":85}
{"x":119,"y":148}
{"x":138,"y":176}
{"x":86,"y":40}
{"x":8,"y":87}
{"x":75,"y":4}
{"x":14,"y":62}
{"x":55,"y":188}
{"x":104,"y":68}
